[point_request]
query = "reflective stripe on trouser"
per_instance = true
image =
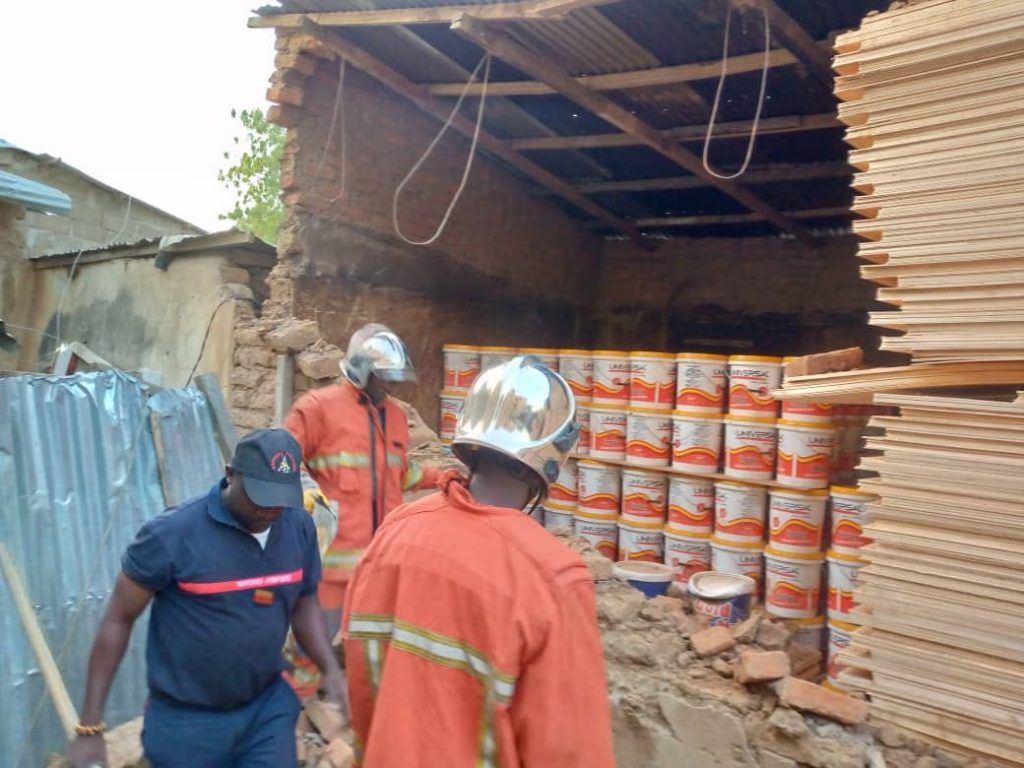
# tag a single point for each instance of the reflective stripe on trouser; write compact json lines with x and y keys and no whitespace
{"x":499,"y":688}
{"x":345,"y":559}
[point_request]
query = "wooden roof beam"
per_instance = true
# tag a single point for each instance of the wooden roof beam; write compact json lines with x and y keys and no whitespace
{"x":540,"y":68}
{"x":702,"y":220}
{"x":754,"y":175}
{"x":641,"y":78}
{"x":786,"y":124}
{"x":531,"y":10}
{"x":794,"y":37}
{"x":418,"y":95}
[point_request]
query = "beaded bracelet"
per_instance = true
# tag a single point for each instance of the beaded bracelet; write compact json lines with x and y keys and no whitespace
{"x":91,"y":730}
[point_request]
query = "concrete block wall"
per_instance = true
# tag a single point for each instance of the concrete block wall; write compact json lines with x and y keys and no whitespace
{"x":97,"y":214}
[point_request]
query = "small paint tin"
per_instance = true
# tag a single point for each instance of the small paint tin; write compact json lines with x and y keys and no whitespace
{"x":721,"y":599}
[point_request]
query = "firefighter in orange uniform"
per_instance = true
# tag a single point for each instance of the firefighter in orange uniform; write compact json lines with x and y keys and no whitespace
{"x":470,"y":632}
{"x":355,"y":439}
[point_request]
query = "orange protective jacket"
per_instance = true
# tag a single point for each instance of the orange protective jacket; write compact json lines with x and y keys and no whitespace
{"x":358,"y":454}
{"x":471,"y":640}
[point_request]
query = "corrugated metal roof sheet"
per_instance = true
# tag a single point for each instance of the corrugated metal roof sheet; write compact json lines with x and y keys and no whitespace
{"x":33,"y":195}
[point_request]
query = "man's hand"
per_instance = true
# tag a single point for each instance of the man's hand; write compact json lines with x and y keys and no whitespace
{"x":86,"y":751}
{"x":335,"y":689}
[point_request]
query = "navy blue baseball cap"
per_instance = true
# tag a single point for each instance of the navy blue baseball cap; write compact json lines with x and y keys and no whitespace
{"x":270,"y":461}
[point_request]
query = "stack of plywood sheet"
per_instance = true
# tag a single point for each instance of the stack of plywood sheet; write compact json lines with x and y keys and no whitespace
{"x":933,"y":97}
{"x":942,"y":648}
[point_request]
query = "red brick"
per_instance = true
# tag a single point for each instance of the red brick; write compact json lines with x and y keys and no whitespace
{"x":713,"y":641}
{"x":762,"y":666}
{"x":286,"y":94}
{"x":296,"y":61}
{"x":826,"y":362}
{"x":282,"y":115}
{"x":809,"y":697}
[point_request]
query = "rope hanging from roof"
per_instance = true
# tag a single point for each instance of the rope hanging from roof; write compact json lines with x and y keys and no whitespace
{"x":485,"y":63}
{"x":718,"y":97}
{"x":337,"y":115}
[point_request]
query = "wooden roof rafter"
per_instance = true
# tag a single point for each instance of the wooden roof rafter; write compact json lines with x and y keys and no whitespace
{"x":523,"y":10}
{"x":422,"y":99}
{"x":541,"y":69}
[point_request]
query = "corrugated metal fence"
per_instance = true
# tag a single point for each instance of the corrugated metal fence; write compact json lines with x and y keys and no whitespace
{"x":79,"y":476}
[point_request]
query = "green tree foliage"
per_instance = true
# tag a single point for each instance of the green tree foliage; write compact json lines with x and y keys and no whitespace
{"x":255,"y":176}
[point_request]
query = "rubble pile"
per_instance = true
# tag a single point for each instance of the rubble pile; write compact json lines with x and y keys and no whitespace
{"x":740,"y":697}
{"x":322,"y":737}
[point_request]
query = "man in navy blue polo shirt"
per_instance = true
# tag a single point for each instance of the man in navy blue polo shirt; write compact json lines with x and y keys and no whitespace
{"x":226,"y":573}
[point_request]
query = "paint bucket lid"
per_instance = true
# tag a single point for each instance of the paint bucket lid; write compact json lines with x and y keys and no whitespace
{"x":640,"y":410}
{"x":755,"y":359}
{"x":813,"y":621}
{"x":739,"y":485}
{"x":575,"y":352}
{"x":609,"y":353}
{"x":611,"y":519}
{"x":793,"y":492}
{"x":654,"y":355}
{"x":800,"y":424}
{"x":680,"y":533}
{"x":459,"y":348}
{"x":737,"y":545}
{"x":848,"y":490}
{"x":688,"y":413}
{"x":642,"y":570}
{"x":844,"y":626}
{"x":738,"y":418}
{"x":504,"y":350}
{"x":802,"y":557}
{"x":640,"y":525}
{"x":454,"y":392}
{"x":617,"y":407}
{"x":712,"y":585}
{"x":556,"y":506}
{"x":595,"y":464}
{"x":545,"y":352}
{"x":841,"y":557}
{"x":700,"y":356}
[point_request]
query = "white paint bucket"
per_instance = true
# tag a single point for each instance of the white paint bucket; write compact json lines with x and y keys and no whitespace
{"x":492,"y":356}
{"x":749,"y":448}
{"x":599,"y":489}
{"x":804,"y":454}
{"x":792,"y":584}
{"x":700,"y":382}
{"x":601,"y":532}
{"x":751,"y":380}
{"x":612,"y":372}
{"x":608,"y":432}
{"x":796,"y":520}
{"x":648,"y":437}
{"x":740,"y":512}
{"x":461,"y":365}
{"x":840,"y":635}
{"x":849,"y":515}
{"x":641,"y":541}
{"x":577,"y":368}
{"x":807,"y":633}
{"x":583,"y":419}
{"x":820,"y":413}
{"x":452,"y":401}
{"x":558,"y":515}
{"x":652,"y":380}
{"x":643,"y":496}
{"x":843,"y":571}
{"x":691,"y":505}
{"x":549,"y":357}
{"x":696,"y":442}
{"x":744,"y":559}
{"x":687,"y":553}
{"x":563,"y":490}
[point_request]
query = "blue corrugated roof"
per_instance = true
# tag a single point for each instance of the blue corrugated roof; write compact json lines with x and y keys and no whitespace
{"x":32,"y":194}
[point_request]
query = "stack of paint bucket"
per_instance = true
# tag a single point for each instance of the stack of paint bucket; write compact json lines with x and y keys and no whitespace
{"x":462,"y":364}
{"x":697,"y":419}
{"x":560,"y":506}
{"x":599,"y":497}
{"x":577,"y":368}
{"x":848,"y":516}
{"x":609,"y":405}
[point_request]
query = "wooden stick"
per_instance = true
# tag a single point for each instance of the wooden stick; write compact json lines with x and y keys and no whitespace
{"x":51,"y":674}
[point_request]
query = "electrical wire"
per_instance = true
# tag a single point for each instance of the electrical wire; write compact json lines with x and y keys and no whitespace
{"x":718,"y":97}
{"x":485,"y":62}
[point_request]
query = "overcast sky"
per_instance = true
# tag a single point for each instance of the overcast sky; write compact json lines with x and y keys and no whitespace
{"x":136,"y":93}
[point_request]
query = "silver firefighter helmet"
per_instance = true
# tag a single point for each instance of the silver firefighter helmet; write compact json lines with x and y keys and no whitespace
{"x":376,"y":349}
{"x":523,"y":410}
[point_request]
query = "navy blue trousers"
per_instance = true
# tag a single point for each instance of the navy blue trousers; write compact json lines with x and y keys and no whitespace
{"x":260,"y":734}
